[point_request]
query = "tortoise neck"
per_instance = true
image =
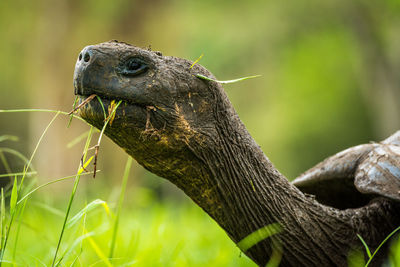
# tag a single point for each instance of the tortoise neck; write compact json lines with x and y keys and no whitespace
{"x":243,"y":192}
{"x":251,"y":193}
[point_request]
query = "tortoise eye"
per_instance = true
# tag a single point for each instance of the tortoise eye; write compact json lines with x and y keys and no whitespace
{"x":133,"y":67}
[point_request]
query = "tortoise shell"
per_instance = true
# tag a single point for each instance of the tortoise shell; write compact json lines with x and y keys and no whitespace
{"x":353,"y":177}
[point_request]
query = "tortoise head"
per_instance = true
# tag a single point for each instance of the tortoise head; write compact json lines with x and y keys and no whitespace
{"x":165,"y":109}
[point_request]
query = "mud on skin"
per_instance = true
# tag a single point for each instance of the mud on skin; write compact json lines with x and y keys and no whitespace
{"x":185,"y":129}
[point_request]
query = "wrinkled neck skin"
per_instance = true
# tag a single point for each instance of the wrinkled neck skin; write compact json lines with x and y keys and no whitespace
{"x":227,"y":174}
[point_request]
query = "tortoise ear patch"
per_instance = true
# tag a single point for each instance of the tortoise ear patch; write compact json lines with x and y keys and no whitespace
{"x":379,"y":173}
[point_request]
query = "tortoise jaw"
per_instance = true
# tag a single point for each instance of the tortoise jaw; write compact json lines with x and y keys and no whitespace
{"x":128,"y":114}
{"x":93,"y":111}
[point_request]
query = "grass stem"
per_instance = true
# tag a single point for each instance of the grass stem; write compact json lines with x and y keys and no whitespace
{"x":71,"y":199}
{"x":119,"y":208}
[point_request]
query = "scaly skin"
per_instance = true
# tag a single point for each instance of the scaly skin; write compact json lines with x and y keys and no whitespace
{"x":185,"y":129}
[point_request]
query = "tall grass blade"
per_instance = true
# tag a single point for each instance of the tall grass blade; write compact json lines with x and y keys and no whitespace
{"x":98,"y":251}
{"x":365,"y":246}
{"x":77,"y":178}
{"x":9,"y":138}
{"x":49,"y":183}
{"x":40,"y":110}
{"x":78,"y":241}
{"x":14,"y":174}
{"x":92,"y":205}
{"x":14,"y":196}
{"x":7,"y":234}
{"x":259,"y":235}
{"x":2,"y":218}
{"x":381,"y":244}
{"x":119,"y":208}
{"x":18,"y":230}
{"x":73,"y":107}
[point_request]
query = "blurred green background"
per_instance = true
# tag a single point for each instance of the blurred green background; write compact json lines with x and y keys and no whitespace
{"x":329,"y":76}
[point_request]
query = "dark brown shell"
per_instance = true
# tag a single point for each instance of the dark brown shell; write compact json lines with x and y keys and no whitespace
{"x":371,"y":169}
{"x":379,"y":173}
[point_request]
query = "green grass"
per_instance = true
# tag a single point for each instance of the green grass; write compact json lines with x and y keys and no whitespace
{"x":159,"y":234}
{"x":367,"y":250}
{"x":119,"y":207}
{"x":116,"y":231}
{"x":67,"y":231}
{"x":71,"y":199}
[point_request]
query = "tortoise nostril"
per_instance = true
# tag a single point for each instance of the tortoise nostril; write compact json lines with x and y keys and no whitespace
{"x":86,"y":57}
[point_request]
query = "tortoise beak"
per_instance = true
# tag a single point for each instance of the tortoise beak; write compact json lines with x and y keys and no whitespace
{"x":85,"y":58}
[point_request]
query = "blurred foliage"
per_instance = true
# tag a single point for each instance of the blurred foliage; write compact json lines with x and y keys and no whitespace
{"x":329,"y":73}
{"x":328,"y":68}
{"x":150,"y":234}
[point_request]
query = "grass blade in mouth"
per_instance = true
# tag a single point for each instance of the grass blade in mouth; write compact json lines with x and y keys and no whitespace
{"x":97,"y":146}
{"x":87,"y":100}
{"x":225,"y":82}
{"x":73,"y":108}
{"x":108,"y":120}
{"x":102,"y":106}
{"x":111,"y":115}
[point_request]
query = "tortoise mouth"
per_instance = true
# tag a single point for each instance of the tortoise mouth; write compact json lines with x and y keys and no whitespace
{"x":105,"y":98}
{"x":98,"y":104}
{"x":102,"y":101}
{"x":98,"y":109}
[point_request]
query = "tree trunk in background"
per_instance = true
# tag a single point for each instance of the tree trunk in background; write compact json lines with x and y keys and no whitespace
{"x":380,"y":81}
{"x":50,"y":85}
